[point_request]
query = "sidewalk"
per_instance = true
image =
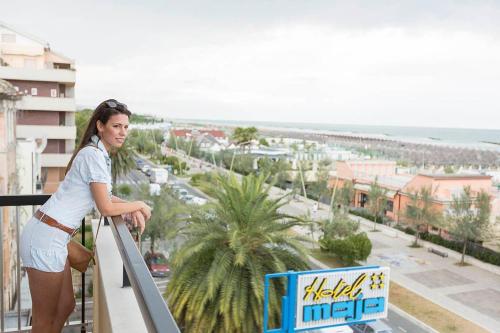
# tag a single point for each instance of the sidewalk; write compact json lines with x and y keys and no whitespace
{"x":471,"y":292}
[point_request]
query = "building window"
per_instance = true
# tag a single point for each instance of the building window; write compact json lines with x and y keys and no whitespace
{"x":34,"y":91}
{"x":390,"y":205}
{"x":363,"y":199}
{"x":8,"y":38}
{"x":53,"y":92}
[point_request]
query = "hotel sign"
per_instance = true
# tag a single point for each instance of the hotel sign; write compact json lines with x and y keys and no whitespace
{"x":326,"y":298}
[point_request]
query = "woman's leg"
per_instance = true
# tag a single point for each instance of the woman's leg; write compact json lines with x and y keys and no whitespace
{"x":66,"y":300}
{"x":45,"y":288}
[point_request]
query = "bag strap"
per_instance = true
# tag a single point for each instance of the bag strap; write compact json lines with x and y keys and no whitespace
{"x":100,"y":219}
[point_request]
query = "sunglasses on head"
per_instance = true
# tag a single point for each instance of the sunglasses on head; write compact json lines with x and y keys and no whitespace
{"x":115,"y":104}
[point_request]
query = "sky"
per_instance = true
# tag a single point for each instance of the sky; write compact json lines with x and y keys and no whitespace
{"x":401,"y":63}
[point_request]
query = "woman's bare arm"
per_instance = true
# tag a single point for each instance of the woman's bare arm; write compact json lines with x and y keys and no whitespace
{"x":107,"y":207}
{"x":114,"y":199}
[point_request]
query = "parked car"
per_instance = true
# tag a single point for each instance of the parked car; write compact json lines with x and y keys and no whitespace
{"x":336,"y":329}
{"x":139,"y":163}
{"x":175,"y":188}
{"x":158,"y":176}
{"x":157,"y":264}
{"x":199,"y":201}
{"x":372,"y":327}
{"x":145,"y":168}
{"x":154,"y":189}
{"x":182,"y":192}
{"x":188,"y":198}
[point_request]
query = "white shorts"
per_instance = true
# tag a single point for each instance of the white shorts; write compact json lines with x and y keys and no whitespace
{"x":43,"y":247}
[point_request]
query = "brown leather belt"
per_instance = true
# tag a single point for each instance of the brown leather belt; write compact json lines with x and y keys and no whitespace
{"x":53,"y":223}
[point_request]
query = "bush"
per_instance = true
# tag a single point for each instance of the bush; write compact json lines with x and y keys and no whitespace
{"x":199,"y":179}
{"x":350,"y":249}
{"x":407,"y":230}
{"x":125,"y":190}
{"x":362,"y":212}
{"x":473,"y":249}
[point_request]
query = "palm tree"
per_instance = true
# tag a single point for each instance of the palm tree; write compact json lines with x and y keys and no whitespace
{"x":377,"y":201}
{"x":244,"y":136}
{"x":218,"y":274}
{"x":122,"y":161}
{"x":420,"y":211}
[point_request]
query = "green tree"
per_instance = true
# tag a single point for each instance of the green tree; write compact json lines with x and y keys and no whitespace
{"x":319,"y":188}
{"x":242,"y":239}
{"x":263,"y":142}
{"x":122,"y":161}
{"x":449,"y":169}
{"x":124,"y":191}
{"x":342,"y":239}
{"x":339,"y":227}
{"x":377,"y":201}
{"x":297,"y":184}
{"x":166,"y":215}
{"x":421,"y":211}
{"x":344,"y":196}
{"x":82,"y":118}
{"x":243,"y":136}
{"x":469,"y":217}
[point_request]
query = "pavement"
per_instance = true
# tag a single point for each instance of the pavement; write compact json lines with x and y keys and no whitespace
{"x":469,"y":291}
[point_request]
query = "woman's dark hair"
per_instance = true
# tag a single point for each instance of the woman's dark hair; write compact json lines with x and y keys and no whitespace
{"x":102,"y":112}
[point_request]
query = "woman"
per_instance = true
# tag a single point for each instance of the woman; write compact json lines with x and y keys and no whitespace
{"x":87,"y":184}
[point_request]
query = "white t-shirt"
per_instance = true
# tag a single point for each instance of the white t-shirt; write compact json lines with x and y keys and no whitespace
{"x":73,"y":199}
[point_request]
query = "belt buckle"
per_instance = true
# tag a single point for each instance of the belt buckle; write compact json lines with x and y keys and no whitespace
{"x":74,"y":232}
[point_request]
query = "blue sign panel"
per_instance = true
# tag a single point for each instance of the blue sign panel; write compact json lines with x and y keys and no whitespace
{"x":327,"y":298}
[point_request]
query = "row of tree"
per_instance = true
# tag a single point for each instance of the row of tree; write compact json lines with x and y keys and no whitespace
{"x":467,"y":217}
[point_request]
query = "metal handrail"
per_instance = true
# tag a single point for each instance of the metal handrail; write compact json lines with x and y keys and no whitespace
{"x":157,"y":317}
{"x":18,"y":201}
{"x":155,"y":312}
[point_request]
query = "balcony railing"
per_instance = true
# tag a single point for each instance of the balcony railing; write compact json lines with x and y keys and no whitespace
{"x":155,"y":315}
{"x":67,"y":76}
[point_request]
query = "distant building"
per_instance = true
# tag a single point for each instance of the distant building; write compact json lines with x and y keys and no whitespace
{"x":210,"y":144}
{"x":187,"y":133}
{"x":400,"y":186}
{"x":8,"y":185}
{"x":209,"y":139}
{"x":46,"y":113}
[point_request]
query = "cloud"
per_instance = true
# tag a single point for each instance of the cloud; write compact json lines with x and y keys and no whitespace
{"x":394,"y":63}
{"x":314,"y":73}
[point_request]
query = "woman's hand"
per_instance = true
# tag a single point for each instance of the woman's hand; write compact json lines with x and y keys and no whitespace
{"x":145,"y":210}
{"x":138,"y":220}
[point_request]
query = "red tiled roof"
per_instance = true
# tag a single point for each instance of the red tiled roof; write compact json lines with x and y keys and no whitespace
{"x":186,"y":132}
{"x":214,"y":133}
{"x":181,"y":133}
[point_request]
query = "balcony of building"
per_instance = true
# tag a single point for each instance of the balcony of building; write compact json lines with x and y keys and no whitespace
{"x":39,"y":103}
{"x":54,"y":160}
{"x":118,"y":292}
{"x":49,"y":74}
{"x":48,"y":132}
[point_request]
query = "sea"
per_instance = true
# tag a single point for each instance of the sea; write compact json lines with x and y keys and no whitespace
{"x":488,"y":139}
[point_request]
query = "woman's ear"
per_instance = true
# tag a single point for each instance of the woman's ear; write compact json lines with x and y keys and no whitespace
{"x":100,"y":126}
